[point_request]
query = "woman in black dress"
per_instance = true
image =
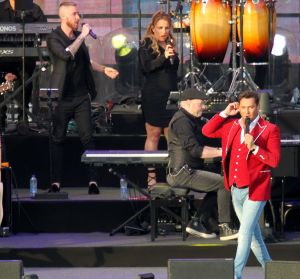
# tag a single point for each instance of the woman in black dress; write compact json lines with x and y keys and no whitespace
{"x":159,"y":64}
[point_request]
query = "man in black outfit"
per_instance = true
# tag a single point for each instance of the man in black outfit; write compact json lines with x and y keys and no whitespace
{"x":187,"y":150}
{"x":72,"y":76}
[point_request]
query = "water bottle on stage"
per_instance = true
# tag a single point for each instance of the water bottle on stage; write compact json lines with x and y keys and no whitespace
{"x":33,"y":186}
{"x":123,"y":189}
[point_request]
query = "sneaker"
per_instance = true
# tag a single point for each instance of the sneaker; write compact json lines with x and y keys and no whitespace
{"x":196,"y":228}
{"x":227,"y":233}
{"x":93,"y":188}
{"x":54,"y":188}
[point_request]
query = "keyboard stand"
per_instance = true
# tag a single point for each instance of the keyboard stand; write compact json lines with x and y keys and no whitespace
{"x":139,"y":189}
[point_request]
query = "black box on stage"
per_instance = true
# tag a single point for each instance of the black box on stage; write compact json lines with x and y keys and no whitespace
{"x":146,"y":276}
{"x":12,"y":269}
{"x":6,"y":224}
{"x":200,"y":268}
{"x":282,"y":270}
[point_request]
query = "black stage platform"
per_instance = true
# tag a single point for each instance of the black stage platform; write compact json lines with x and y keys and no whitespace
{"x":30,"y":154}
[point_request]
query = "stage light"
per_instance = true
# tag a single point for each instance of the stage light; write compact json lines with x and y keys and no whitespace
{"x":279,"y":45}
{"x":119,"y":42}
{"x":126,"y":55}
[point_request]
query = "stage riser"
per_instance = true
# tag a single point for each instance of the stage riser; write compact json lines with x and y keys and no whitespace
{"x":129,"y":256}
{"x":30,"y":154}
{"x":72,"y":216}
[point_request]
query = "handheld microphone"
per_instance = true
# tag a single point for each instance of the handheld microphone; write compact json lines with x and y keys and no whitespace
{"x":169,"y":41}
{"x":91,"y":33}
{"x":247,"y":122}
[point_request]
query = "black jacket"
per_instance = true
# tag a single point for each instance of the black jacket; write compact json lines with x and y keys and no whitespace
{"x":185,"y":140}
{"x":57,"y":42}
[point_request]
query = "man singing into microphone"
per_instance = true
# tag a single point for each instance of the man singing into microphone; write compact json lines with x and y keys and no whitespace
{"x":72,"y":76}
{"x":249,"y":149}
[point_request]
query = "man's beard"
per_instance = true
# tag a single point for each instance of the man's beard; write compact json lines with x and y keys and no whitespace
{"x":72,"y":25}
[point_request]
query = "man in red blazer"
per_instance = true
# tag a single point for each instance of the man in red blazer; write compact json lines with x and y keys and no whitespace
{"x":250,"y":147}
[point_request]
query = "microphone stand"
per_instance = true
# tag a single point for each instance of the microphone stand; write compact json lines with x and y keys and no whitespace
{"x":23,"y":123}
{"x":271,"y":8}
{"x":139,"y":21}
{"x":179,"y":8}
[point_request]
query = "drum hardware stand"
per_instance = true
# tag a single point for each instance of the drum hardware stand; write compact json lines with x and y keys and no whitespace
{"x":192,"y":78}
{"x":241,"y":78}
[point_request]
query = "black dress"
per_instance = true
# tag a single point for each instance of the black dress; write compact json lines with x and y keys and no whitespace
{"x":160,"y":78}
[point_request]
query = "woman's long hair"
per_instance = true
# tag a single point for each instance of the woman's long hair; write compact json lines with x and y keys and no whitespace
{"x":149,"y":33}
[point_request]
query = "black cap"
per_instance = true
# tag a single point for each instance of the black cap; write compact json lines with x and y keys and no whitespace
{"x":192,"y":93}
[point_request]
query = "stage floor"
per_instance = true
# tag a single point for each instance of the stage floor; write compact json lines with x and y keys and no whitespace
{"x":91,"y":250}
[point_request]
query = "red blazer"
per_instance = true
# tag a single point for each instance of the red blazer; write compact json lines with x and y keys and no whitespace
{"x":266,"y":136}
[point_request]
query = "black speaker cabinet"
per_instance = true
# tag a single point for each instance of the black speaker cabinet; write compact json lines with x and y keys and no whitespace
{"x":6,"y":201}
{"x":200,"y":268}
{"x":146,"y":276}
{"x":11,"y":269}
{"x":282,"y":270}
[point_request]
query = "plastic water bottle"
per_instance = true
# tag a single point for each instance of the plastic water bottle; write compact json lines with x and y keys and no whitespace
{"x":33,"y":186}
{"x":123,"y":189}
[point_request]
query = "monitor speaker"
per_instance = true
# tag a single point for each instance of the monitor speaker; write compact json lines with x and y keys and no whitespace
{"x":146,"y":276}
{"x":201,"y":268}
{"x":11,"y":269}
{"x":282,"y":270}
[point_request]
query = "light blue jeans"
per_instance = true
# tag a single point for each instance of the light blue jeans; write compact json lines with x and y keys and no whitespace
{"x":248,"y":212}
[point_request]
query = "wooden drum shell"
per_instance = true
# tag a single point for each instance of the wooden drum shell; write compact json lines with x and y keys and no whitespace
{"x":255,"y":31}
{"x":210,"y":29}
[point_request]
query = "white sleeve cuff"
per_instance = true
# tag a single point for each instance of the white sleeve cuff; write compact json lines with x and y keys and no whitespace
{"x":223,"y":114}
{"x":255,"y":150}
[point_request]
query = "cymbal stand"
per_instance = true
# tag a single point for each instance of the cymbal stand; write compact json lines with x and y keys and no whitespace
{"x":241,"y":78}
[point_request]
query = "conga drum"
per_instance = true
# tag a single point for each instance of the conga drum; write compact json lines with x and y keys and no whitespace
{"x":256,"y":30}
{"x":210,"y":29}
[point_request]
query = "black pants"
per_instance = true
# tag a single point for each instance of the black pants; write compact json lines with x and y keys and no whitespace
{"x":205,"y":181}
{"x":78,"y":108}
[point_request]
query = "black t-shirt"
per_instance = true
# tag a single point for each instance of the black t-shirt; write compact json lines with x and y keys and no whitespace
{"x":76,"y":81}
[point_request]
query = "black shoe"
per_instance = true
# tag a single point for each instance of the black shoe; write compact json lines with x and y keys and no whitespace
{"x":54,"y":188}
{"x":195,"y":227}
{"x":93,"y":189}
{"x":227,"y":233}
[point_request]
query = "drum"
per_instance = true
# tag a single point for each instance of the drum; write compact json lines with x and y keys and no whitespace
{"x":210,"y":29}
{"x":255,"y":30}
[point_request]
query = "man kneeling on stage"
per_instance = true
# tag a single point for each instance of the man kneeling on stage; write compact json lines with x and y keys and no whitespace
{"x":187,"y":152}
